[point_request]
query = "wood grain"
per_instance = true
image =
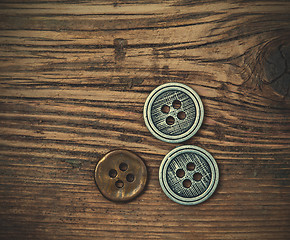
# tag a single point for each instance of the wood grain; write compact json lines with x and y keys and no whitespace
{"x":74,"y":78}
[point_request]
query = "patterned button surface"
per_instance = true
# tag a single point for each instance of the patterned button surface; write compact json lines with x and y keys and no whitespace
{"x":173,"y":112}
{"x":188,"y":175}
{"x":120,"y":175}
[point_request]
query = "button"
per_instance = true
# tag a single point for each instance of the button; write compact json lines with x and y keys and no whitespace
{"x":173,"y":112}
{"x":120,"y":175}
{"x":188,"y":175}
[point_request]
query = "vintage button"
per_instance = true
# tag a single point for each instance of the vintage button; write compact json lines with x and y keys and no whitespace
{"x":120,"y":175}
{"x":188,"y":175}
{"x":173,"y":112}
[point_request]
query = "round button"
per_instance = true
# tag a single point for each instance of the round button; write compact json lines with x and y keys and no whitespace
{"x":188,"y":175}
{"x":173,"y":112}
{"x":120,"y":175}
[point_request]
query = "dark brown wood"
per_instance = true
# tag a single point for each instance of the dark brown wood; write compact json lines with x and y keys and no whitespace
{"x":74,"y":78}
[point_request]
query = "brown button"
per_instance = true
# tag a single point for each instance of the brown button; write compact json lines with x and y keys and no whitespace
{"x":120,"y":175}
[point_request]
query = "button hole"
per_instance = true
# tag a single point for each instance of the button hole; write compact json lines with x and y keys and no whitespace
{"x":130,"y":177}
{"x":176,"y":104}
{"x":181,"y":115}
{"x":186,"y":183}
{"x":180,"y":173}
{"x":112,"y":173}
{"x":123,"y":167}
{"x":197,"y":176}
{"x":190,"y":166}
{"x":119,"y":184}
{"x":165,"y":109}
{"x":170,"y":120}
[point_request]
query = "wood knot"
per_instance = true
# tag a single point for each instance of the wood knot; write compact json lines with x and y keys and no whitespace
{"x":120,"y":45}
{"x":270,"y":66}
{"x":277,"y":67}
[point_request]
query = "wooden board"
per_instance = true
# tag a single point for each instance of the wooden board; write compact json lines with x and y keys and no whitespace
{"x":74,"y":78}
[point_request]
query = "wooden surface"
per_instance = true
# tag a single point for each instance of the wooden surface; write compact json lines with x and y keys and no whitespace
{"x":74,"y":78}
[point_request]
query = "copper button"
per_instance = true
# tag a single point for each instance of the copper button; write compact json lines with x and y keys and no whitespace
{"x":120,"y":175}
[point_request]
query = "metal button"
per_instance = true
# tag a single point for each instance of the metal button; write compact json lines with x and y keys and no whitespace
{"x":173,"y":112}
{"x":188,"y":175}
{"x":121,"y":175}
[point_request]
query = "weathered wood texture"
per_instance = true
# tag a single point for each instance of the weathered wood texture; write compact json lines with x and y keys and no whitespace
{"x":74,"y":78}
